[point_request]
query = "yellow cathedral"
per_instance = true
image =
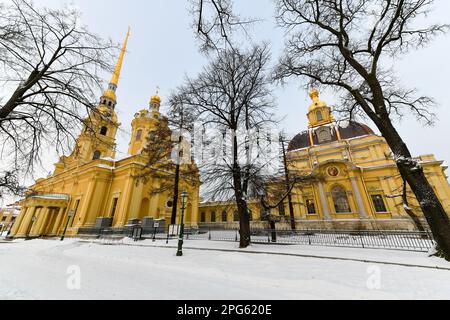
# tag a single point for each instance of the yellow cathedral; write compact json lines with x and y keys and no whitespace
{"x":92,"y":186}
{"x":360,"y":187}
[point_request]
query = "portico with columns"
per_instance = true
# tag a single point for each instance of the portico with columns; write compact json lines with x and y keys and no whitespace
{"x":41,"y":215}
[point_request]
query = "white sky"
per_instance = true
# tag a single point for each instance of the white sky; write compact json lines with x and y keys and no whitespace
{"x":162,"y":49}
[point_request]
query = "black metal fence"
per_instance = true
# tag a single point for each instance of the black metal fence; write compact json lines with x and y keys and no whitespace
{"x":395,"y":240}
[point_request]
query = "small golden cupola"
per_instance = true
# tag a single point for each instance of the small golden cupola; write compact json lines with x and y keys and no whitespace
{"x":155,"y":102}
{"x":143,"y":124}
{"x":319,"y":113}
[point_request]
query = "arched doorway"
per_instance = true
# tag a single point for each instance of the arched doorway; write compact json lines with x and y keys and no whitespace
{"x":144,"y":211}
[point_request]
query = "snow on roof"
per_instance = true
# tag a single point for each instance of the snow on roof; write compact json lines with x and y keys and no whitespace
{"x":104,"y":166}
{"x":51,"y":196}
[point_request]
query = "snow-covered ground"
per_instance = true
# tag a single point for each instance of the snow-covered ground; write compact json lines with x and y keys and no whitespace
{"x":76,"y":269}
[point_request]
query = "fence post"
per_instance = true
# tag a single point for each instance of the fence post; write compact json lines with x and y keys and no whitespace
{"x":236,"y":239}
{"x":209,"y":236}
{"x":362,"y":239}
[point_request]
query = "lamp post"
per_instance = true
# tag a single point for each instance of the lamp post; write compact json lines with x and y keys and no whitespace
{"x":184,"y":196}
{"x":70,"y":215}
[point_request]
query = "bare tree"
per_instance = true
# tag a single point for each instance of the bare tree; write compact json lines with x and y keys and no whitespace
{"x":282,"y":188}
{"x":232,"y":96}
{"x":9,"y":184}
{"x":50,"y":66}
{"x":350,"y":45}
{"x":215,"y":22}
{"x":406,"y":197}
{"x":168,"y":159}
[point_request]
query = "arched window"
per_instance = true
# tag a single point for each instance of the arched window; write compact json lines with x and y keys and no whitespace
{"x":340,"y":200}
{"x":103,"y":131}
{"x":97,"y":155}
{"x":213,"y":216}
{"x":236,"y":216}
{"x":139,"y":135}
{"x":319,"y":115}
{"x":224,"y":216}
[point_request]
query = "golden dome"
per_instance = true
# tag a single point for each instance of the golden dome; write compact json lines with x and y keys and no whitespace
{"x":314,"y":94}
{"x":155,"y":99}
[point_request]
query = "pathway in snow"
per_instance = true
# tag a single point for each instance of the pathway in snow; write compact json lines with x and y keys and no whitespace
{"x":38,"y":269}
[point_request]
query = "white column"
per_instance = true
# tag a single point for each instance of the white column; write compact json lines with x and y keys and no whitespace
{"x":359,"y":201}
{"x":324,"y":202}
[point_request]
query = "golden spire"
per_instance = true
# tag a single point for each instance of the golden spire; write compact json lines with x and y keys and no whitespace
{"x":111,"y":91}
{"x":116,"y":74}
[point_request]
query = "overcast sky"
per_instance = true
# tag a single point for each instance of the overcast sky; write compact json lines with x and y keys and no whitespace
{"x":162,"y":50}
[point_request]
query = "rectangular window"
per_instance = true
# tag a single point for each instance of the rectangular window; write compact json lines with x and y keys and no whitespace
{"x":213,"y":216}
{"x":281,"y":210}
{"x":310,"y":206}
{"x":202,"y":217}
{"x":139,"y":135}
{"x":378,"y":203}
{"x":114,"y":207}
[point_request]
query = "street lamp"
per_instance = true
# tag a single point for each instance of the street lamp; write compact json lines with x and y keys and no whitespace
{"x":69,"y":216}
{"x":184,"y":196}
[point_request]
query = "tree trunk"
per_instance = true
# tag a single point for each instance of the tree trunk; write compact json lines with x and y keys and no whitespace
{"x":410,"y":171}
{"x":244,"y":224}
{"x":288,"y":185}
{"x":176,"y":187}
{"x":409,"y":211}
{"x":244,"y":221}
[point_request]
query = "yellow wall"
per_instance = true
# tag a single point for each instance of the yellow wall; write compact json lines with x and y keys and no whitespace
{"x":365,"y":168}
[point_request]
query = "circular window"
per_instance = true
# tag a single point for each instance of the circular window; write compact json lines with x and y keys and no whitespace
{"x":333,"y":171}
{"x":169,"y":204}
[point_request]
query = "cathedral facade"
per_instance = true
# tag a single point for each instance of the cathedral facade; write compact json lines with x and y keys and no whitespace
{"x":358,"y":185}
{"x":93,"y":183}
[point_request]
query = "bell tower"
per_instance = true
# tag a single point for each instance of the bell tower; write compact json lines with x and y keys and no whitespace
{"x":322,"y":125}
{"x":97,"y":139}
{"x":143,"y":124}
{"x":319,"y":113}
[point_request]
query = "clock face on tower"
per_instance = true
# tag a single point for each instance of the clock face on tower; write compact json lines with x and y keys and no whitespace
{"x":333,"y":171}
